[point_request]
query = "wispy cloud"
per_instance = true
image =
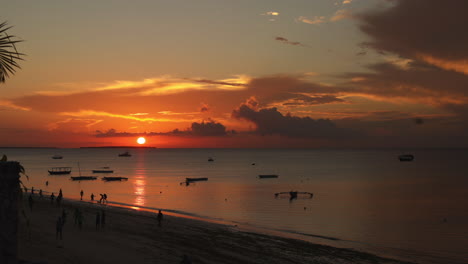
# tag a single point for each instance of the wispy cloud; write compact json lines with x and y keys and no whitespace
{"x":313,"y":21}
{"x":270,"y":13}
{"x":8,"y":104}
{"x":341,"y":14}
{"x":286,"y":41}
{"x":85,"y":113}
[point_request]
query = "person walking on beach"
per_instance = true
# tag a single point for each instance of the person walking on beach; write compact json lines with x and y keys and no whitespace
{"x":105,"y":198}
{"x":81,"y":195}
{"x":40,"y":193}
{"x":92,"y":197}
{"x":98,"y":220}
{"x":159,"y":218}
{"x":102,"y":197}
{"x":58,"y":228}
{"x":52,"y":196}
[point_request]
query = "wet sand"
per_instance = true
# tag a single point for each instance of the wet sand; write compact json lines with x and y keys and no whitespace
{"x":132,"y":236}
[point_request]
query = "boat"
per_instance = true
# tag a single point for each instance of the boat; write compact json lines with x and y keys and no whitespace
{"x":406,"y":157}
{"x":125,"y":154}
{"x":267,"y":176}
{"x":57,"y":157}
{"x":294,"y":194}
{"x":195,"y":179}
{"x":114,"y":178}
{"x":103,"y":170}
{"x":83,"y":178}
{"x":210,"y":159}
{"x":59,"y":170}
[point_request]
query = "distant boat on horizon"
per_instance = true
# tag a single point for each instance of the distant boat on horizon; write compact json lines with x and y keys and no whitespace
{"x":103,"y":170}
{"x":210,"y":159}
{"x":59,"y":170}
{"x":83,"y":178}
{"x":114,"y":178}
{"x":125,"y":154}
{"x":267,"y":176}
{"x":406,"y":157}
{"x":57,"y":156}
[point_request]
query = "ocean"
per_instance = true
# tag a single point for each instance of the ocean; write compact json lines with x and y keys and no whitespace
{"x":362,"y":199}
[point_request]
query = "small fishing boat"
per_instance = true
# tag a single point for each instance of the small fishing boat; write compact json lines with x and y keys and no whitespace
{"x":210,"y":159}
{"x":59,"y":170}
{"x":267,"y":176}
{"x":57,"y":157}
{"x":125,"y":154}
{"x":195,"y":179}
{"x":407,"y":157}
{"x":103,"y":170}
{"x":83,"y":178}
{"x":114,"y":178}
{"x":294,"y":194}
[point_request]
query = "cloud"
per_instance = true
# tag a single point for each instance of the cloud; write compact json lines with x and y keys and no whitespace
{"x":84,"y":113}
{"x":209,"y":128}
{"x":269,"y":121}
{"x":11,"y":105}
{"x":286,"y":41}
{"x":206,"y":128}
{"x":303,"y":100}
{"x":347,"y":2}
{"x":314,"y":21}
{"x":341,"y":14}
{"x":431,"y":31}
{"x":270,"y":13}
{"x":204,"y":108}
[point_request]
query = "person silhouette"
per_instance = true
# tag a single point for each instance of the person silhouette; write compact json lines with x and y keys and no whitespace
{"x":92,"y":197}
{"x":81,"y":195}
{"x":159,"y":218}
{"x":58,"y":228}
{"x":52,"y":196}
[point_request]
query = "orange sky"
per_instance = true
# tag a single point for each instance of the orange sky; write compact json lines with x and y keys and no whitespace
{"x":265,"y":74}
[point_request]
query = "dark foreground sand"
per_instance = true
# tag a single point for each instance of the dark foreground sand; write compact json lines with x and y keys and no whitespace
{"x":134,"y":237}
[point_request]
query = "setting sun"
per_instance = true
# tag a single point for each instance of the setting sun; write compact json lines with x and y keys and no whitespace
{"x":141,"y":140}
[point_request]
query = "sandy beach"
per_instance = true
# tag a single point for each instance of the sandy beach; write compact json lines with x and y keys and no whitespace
{"x":131,"y":236}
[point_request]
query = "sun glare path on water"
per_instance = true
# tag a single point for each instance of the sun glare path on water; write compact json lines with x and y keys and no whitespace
{"x":141,"y":140}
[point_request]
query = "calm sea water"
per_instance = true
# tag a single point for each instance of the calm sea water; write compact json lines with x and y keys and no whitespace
{"x":363,"y":199}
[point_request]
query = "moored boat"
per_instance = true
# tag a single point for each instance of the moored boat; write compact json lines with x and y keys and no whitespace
{"x":195,"y":179}
{"x":114,"y":178}
{"x":406,"y":157}
{"x":57,"y":157}
{"x":267,"y":176}
{"x":59,"y":170}
{"x":103,"y":170}
{"x":125,"y":154}
{"x":83,"y":178}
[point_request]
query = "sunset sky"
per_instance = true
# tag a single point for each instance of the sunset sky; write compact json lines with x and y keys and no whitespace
{"x":211,"y":73}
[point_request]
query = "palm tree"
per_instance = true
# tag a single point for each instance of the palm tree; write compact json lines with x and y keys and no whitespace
{"x":8,"y":53}
{"x":9,"y":170}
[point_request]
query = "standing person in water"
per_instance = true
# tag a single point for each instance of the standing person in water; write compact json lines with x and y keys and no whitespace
{"x":105,"y":198}
{"x":92,"y":197}
{"x":81,"y":195}
{"x":159,"y":218}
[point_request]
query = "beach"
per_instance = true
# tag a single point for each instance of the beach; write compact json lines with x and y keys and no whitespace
{"x":132,"y":236}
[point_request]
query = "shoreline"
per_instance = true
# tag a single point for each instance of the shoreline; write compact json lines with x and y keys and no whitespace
{"x":133,"y":236}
